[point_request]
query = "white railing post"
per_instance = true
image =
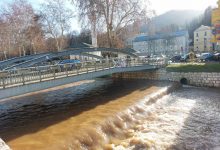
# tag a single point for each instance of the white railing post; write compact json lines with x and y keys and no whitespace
{"x":67,"y":71}
{"x":3,"y":82}
{"x":10,"y":78}
{"x":77,"y":71}
{"x":23,"y":78}
{"x":54,"y":73}
{"x":109,"y":65}
{"x":40,"y":75}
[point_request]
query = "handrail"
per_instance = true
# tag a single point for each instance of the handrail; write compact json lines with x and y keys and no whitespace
{"x":69,"y":51}
{"x":19,"y":77}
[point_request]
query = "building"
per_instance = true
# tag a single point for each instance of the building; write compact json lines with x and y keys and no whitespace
{"x":169,"y":44}
{"x":202,"y":39}
{"x":129,"y":42}
{"x":83,"y":57}
{"x":216,"y":27}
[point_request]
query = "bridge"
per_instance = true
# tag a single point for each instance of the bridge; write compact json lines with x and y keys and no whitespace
{"x":21,"y":81}
{"x":31,"y":60}
{"x":16,"y":60}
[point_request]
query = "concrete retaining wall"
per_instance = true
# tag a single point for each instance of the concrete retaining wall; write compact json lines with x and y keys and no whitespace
{"x":196,"y":79}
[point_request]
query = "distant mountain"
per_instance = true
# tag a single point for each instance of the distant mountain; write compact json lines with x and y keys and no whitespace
{"x":178,"y":17}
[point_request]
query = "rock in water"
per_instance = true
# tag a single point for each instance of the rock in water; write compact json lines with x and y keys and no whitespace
{"x":3,"y":146}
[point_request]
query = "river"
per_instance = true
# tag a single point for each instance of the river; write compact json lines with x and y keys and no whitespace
{"x":112,"y":114}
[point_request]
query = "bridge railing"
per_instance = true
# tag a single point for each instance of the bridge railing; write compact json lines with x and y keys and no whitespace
{"x":18,"y":77}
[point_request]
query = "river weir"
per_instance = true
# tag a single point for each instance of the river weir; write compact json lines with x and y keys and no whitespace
{"x":113,"y":114}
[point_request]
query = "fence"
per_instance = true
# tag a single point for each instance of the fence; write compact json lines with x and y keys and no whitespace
{"x":19,"y":77}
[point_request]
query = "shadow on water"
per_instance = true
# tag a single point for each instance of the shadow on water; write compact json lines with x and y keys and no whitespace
{"x":35,"y":112}
{"x":201,"y":129}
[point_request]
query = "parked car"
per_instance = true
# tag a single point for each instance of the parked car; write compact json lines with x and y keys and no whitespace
{"x":207,"y":57}
{"x":217,"y":57}
{"x":70,"y":64}
{"x":69,"y":61}
{"x":176,"y":58}
{"x":184,"y":58}
{"x":187,"y":57}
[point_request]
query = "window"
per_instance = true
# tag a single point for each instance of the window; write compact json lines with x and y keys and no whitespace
{"x":205,"y":41}
{"x":197,"y":40}
{"x":205,"y":33}
{"x":197,"y":34}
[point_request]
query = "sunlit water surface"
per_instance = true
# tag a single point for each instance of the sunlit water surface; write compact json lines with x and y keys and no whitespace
{"x":113,"y":114}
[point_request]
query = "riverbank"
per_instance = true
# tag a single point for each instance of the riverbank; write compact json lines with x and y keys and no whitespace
{"x":194,"y":67}
{"x":200,"y":79}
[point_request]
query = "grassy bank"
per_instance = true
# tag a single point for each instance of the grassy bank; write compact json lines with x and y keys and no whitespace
{"x":194,"y":67}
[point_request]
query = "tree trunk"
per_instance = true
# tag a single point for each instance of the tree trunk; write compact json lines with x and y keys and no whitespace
{"x":24,"y":52}
{"x":5,"y":54}
{"x":110,"y":38}
{"x":19,"y":51}
{"x":58,"y":45}
{"x":94,"y":35}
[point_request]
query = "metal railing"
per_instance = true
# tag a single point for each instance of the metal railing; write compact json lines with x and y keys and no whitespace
{"x":19,"y":77}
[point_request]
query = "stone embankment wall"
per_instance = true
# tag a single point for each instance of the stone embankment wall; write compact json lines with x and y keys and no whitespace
{"x":201,"y":79}
{"x":3,"y":146}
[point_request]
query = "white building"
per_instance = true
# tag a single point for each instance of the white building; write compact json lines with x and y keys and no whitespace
{"x":176,"y":43}
{"x":202,"y":39}
{"x":129,"y":42}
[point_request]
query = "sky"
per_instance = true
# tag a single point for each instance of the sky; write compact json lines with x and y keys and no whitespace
{"x":160,"y":6}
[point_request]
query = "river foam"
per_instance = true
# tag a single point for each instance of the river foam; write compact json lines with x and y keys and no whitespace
{"x":121,"y":125}
{"x":114,"y":115}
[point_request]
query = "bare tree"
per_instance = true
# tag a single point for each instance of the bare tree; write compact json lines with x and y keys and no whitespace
{"x":89,"y":16}
{"x":56,"y":20}
{"x":16,"y":18}
{"x":112,"y":14}
{"x":35,"y":36}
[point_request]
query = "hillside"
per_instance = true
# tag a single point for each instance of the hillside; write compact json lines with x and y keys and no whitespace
{"x":178,"y":17}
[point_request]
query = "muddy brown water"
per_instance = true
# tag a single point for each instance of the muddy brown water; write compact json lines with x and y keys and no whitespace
{"x":112,"y":114}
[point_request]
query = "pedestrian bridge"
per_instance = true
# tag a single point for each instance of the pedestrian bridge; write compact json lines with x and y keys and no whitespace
{"x":22,"y":81}
{"x":31,"y":60}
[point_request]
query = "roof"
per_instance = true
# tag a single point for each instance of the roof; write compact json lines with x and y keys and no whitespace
{"x":79,"y":45}
{"x":202,"y":28}
{"x":129,"y":50}
{"x":160,"y":36}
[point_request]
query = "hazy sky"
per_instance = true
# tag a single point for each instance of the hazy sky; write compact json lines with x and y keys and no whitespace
{"x":162,"y":6}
